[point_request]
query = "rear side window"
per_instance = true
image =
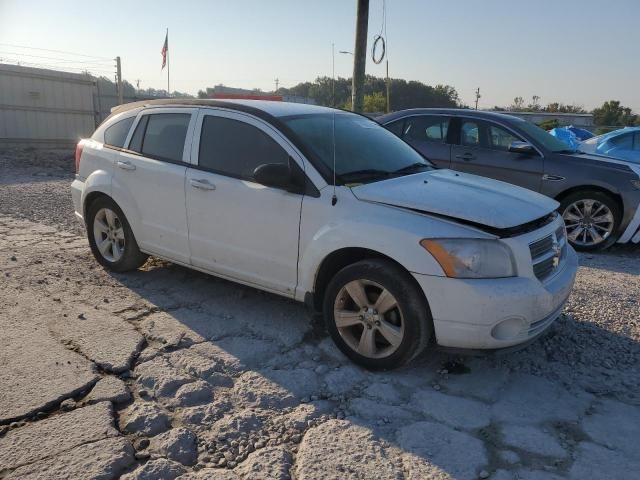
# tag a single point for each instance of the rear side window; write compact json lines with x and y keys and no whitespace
{"x":116,"y":134}
{"x":396,"y":127}
{"x":161,"y":136}
{"x":235,"y":148}
{"x":427,"y":129}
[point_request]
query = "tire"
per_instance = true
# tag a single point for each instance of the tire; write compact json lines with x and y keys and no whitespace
{"x":121,"y":256}
{"x":608,"y":211}
{"x":365,"y":340}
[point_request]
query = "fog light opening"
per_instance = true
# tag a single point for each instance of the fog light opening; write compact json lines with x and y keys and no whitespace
{"x":508,"y":329}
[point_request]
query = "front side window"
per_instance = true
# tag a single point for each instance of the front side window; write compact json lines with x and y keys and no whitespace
{"x":623,"y":142}
{"x":501,"y":139}
{"x":234,"y":148}
{"x":363,"y":150}
{"x":470,"y":134}
{"x":161,"y":136}
{"x":116,"y":134}
{"x":427,"y":129}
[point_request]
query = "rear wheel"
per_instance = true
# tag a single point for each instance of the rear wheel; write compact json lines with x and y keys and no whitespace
{"x":592,"y":219}
{"x":377,"y":314}
{"x":110,"y":237}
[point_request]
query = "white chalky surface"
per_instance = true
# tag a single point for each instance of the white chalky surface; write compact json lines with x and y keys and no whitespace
{"x":169,"y":373}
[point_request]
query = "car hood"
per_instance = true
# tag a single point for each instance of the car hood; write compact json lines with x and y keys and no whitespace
{"x":471,"y":198}
{"x":610,"y":159}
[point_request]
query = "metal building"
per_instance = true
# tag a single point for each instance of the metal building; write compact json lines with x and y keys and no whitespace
{"x":45,"y":107}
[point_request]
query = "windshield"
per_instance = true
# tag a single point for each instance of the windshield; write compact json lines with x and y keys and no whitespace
{"x":364,"y":151}
{"x":547,"y":140}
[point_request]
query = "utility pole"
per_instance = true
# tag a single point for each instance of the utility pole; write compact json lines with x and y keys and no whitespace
{"x":277,"y":83}
{"x":477,"y":97}
{"x":360,"y":56}
{"x":119,"y":78}
{"x":388,"y":84}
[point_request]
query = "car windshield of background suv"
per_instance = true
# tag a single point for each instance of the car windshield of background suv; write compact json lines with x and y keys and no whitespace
{"x":364,"y":151}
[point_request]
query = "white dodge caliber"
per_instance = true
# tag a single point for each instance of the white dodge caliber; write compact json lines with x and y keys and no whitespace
{"x":326,"y":207}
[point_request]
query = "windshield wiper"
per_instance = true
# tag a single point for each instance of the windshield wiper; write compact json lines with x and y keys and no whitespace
{"x":365,"y":174}
{"x":566,"y":150}
{"x":414,"y":167}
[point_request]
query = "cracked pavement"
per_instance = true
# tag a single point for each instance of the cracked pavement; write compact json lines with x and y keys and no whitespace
{"x":170,"y":373}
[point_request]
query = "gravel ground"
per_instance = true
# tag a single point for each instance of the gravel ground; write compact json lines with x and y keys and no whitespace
{"x":34,"y":184}
{"x":167,"y":372}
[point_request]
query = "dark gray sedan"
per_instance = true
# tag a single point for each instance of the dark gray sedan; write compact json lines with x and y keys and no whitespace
{"x":599,"y":196}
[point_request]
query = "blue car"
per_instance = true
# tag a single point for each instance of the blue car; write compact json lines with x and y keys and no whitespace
{"x":623,"y":144}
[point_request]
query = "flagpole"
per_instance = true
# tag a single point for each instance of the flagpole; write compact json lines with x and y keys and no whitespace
{"x":168,"y":87}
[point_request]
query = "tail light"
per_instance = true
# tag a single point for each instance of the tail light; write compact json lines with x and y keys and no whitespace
{"x":79,"y":148}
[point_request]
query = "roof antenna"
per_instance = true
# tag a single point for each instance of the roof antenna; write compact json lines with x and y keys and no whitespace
{"x":334,"y":198}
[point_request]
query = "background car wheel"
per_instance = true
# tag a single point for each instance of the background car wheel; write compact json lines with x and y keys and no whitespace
{"x":377,"y":314}
{"x":110,"y":237}
{"x":592,"y":219}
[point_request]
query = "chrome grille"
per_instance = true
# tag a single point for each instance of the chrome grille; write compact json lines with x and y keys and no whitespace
{"x":544,"y":268}
{"x":547,"y":252}
{"x":541,"y":247}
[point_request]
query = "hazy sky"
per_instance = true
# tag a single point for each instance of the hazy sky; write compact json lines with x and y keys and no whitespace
{"x":571,"y":51}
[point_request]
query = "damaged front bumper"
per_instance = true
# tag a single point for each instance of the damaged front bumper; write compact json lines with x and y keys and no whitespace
{"x":496,"y":313}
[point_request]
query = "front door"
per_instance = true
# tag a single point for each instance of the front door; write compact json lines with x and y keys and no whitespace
{"x":148,"y":181}
{"x":483,"y":149}
{"x":239,"y":228}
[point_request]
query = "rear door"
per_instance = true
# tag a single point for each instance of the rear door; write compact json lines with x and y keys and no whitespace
{"x":237,"y":227}
{"x":428,"y":135}
{"x":148,"y":180}
{"x":482,"y":148}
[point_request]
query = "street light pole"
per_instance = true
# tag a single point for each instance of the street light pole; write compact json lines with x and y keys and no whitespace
{"x":333,"y":75}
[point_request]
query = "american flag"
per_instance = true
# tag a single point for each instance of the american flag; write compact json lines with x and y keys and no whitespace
{"x":165,"y":49}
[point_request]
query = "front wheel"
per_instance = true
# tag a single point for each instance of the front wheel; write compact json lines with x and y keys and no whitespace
{"x":592,"y":219}
{"x":110,"y":237}
{"x":377,"y":314}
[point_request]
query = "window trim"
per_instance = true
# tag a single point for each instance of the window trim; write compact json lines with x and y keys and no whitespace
{"x":294,"y":155}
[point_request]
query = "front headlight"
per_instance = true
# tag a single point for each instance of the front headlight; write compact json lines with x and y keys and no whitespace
{"x":636,"y":183}
{"x":471,"y":257}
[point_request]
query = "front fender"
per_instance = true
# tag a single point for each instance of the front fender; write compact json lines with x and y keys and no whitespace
{"x":390,"y":231}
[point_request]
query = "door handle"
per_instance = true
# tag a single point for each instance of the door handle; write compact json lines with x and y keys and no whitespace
{"x":202,"y":184}
{"x":126,"y":165}
{"x":466,"y":156}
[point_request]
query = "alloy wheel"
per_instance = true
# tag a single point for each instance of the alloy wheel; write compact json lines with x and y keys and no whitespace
{"x":589,"y":222}
{"x":108,"y":233}
{"x":369,"y":318}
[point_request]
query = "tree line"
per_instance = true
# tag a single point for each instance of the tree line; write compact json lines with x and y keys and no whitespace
{"x":403,"y":94}
{"x":610,"y":114}
{"x":408,"y":94}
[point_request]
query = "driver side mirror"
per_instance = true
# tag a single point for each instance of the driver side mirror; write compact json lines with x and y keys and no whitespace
{"x":275,"y":175}
{"x":523,"y":148}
